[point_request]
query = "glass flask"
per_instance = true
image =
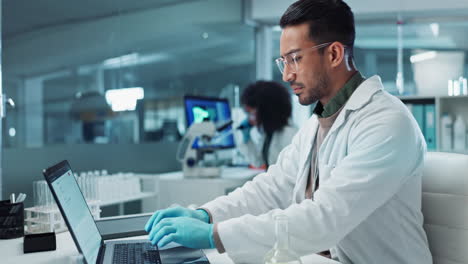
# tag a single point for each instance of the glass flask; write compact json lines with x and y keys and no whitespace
{"x":281,"y":253}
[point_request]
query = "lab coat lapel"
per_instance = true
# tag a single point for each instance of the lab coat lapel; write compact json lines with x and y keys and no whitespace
{"x":358,"y":99}
{"x":301,"y":183}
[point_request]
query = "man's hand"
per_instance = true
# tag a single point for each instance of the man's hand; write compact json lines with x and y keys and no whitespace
{"x":199,"y":214}
{"x":188,"y":232}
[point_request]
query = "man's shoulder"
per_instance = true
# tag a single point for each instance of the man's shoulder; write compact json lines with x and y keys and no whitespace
{"x":381,"y":103}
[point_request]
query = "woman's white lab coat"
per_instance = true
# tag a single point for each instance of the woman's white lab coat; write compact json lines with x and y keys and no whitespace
{"x":252,"y":150}
{"x":368,"y":206}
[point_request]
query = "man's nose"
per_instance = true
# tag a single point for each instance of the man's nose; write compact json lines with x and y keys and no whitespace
{"x":288,"y":75}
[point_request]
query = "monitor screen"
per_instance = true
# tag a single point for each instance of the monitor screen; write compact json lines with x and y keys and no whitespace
{"x":217,"y":110}
{"x":75,"y":209}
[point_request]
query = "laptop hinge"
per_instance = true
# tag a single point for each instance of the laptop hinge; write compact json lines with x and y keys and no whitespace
{"x":102,"y":250}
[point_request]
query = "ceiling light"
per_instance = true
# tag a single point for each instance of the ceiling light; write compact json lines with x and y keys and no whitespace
{"x":124,"y":99}
{"x":12,"y":132}
{"x":423,"y":56}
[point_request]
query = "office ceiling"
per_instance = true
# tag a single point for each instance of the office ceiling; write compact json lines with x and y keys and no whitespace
{"x":44,"y":36}
{"x":24,"y":16}
{"x":171,"y":37}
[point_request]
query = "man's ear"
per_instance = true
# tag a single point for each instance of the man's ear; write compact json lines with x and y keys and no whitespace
{"x":336,"y":54}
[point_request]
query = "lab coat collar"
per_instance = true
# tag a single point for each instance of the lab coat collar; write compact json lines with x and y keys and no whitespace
{"x":360,"y":97}
{"x":363,"y":94}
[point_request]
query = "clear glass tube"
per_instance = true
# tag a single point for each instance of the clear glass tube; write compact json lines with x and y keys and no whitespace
{"x":36,"y":194}
{"x":281,"y":253}
{"x":400,"y":79}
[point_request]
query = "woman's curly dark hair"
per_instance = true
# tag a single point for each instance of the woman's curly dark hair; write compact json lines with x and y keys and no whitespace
{"x":273,"y":103}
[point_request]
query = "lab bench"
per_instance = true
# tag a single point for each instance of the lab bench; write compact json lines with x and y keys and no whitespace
{"x":175,"y":189}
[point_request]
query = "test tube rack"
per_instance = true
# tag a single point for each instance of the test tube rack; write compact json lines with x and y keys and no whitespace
{"x":49,"y":219}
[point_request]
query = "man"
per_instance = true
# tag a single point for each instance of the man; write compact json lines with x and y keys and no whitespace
{"x":351,"y":179}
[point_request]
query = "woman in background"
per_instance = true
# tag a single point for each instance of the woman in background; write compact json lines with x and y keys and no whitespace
{"x":267,"y":129}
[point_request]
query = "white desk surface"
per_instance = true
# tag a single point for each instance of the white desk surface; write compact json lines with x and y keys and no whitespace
{"x":11,"y":251}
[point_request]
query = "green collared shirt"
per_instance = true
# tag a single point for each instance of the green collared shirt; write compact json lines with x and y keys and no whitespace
{"x":340,"y":98}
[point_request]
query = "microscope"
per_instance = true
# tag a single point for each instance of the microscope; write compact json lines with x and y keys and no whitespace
{"x":192,"y":157}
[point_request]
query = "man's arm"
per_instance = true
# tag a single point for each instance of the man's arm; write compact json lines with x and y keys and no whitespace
{"x":385,"y":152}
{"x":270,"y":190}
{"x":194,"y":228}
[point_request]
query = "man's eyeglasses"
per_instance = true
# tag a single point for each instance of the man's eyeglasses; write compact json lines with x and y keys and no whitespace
{"x":292,"y":59}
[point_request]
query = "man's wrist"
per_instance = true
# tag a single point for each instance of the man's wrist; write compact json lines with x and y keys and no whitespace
{"x":211,"y":237}
{"x":204,"y":215}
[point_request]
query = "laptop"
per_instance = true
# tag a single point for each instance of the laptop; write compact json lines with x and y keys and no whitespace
{"x":89,"y":241}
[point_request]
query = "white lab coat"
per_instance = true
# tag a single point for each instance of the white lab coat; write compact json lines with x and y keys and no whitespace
{"x":252,"y":150}
{"x":368,"y":206}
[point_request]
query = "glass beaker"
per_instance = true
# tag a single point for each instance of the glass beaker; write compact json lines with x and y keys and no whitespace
{"x":281,"y":253}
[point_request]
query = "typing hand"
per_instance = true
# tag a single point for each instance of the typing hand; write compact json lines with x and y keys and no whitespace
{"x":176,"y":212}
{"x":188,"y":232}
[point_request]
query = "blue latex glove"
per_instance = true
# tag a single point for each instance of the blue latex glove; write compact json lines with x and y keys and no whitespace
{"x":188,"y":232}
{"x":199,"y":214}
{"x":245,"y":130}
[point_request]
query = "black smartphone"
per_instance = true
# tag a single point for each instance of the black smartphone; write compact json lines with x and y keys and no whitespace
{"x":39,"y":242}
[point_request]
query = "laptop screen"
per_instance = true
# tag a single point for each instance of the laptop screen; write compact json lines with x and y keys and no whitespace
{"x":77,"y":213}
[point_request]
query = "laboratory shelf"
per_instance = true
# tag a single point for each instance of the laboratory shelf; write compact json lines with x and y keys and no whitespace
{"x":421,"y":97}
{"x":465,"y":152}
{"x":453,"y":105}
{"x":416,"y":98}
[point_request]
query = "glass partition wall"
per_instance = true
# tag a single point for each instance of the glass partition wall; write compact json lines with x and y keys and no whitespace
{"x":101,"y":83}
{"x":115,"y":71}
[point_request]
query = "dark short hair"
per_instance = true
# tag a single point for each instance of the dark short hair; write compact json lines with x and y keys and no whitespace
{"x":272,"y":102}
{"x":329,"y":20}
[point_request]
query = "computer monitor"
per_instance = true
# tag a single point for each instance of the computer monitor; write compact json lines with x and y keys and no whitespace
{"x":217,"y":110}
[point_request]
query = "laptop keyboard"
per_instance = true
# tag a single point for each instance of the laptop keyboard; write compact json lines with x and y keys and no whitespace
{"x":143,"y":253}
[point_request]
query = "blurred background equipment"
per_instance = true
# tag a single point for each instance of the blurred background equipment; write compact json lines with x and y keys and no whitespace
{"x":92,"y":111}
{"x":210,"y":129}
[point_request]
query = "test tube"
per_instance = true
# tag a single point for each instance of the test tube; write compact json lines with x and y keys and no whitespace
{"x":50,"y":198}
{"x":450,"y":87}
{"x":46,"y":195}
{"x":456,"y":88}
{"x":95,"y":186}
{"x":465,"y":86}
{"x":36,"y":194}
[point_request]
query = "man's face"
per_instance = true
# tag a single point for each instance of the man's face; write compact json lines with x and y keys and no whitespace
{"x":309,"y":80}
